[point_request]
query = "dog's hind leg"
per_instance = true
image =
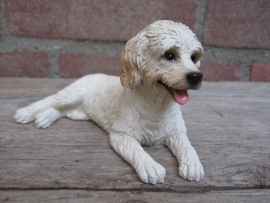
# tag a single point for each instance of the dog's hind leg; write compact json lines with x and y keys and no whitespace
{"x":76,"y":114}
{"x":46,"y":111}
{"x":28,"y":114}
{"x":47,"y":117}
{"x":130,"y":149}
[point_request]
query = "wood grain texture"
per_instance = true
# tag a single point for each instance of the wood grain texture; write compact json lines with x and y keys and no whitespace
{"x":227,"y":122}
{"x":82,"y":196}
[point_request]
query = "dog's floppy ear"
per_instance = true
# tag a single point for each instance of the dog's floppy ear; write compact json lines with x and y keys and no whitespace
{"x":132,"y":61}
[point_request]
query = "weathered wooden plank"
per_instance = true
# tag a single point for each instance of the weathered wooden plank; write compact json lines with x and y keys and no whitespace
{"x":31,"y":87}
{"x":80,"y":196}
{"x":228,"y":124}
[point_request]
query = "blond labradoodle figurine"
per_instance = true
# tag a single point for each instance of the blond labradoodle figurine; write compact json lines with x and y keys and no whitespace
{"x":142,"y":107}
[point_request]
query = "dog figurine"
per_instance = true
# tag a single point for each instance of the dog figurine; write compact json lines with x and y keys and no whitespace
{"x":159,"y":65}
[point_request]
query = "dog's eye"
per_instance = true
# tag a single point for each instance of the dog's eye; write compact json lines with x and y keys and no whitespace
{"x":193,"y":58}
{"x":170,"y":57}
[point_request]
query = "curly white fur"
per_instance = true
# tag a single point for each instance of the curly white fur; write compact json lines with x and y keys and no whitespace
{"x":141,"y":110}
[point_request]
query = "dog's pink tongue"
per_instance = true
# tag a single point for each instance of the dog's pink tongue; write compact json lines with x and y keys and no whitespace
{"x":181,"y":96}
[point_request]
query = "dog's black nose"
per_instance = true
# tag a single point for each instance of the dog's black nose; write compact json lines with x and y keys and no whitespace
{"x":194,"y":78}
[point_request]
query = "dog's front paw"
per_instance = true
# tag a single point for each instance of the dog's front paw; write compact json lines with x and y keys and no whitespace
{"x":151,"y":172}
{"x":190,"y":167}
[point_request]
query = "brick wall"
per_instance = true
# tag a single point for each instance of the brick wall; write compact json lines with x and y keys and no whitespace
{"x":68,"y":38}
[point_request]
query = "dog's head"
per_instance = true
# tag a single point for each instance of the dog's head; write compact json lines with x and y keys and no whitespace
{"x":165,"y":54}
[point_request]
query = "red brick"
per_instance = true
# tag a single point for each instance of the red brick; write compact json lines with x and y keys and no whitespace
{"x":241,"y":23}
{"x":77,"y":65}
{"x":260,"y":72}
{"x":95,"y":19}
{"x":220,"y":71}
{"x":24,"y":64}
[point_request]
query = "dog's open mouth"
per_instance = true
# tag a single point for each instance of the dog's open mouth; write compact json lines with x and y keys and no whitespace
{"x":180,"y":96}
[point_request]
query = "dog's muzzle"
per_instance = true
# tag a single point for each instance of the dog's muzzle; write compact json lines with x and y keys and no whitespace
{"x":194,"y":78}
